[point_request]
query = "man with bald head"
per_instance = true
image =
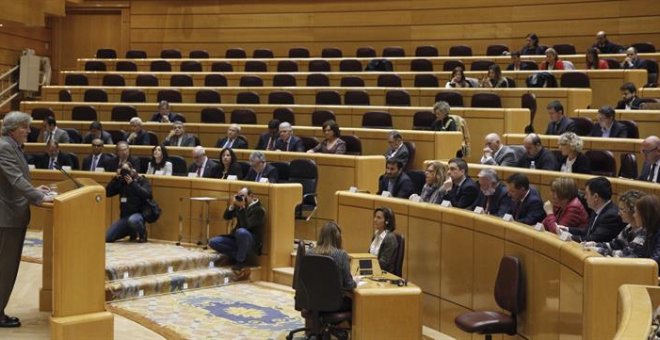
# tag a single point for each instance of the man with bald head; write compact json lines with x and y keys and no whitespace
{"x":202,"y":166}
{"x":604,"y":45}
{"x":535,"y":152}
{"x":632,"y":60}
{"x":651,"y":169}
{"x":496,"y":153}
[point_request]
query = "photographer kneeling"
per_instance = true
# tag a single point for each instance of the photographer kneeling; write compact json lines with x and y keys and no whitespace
{"x":245,"y":238}
{"x":134,"y":191}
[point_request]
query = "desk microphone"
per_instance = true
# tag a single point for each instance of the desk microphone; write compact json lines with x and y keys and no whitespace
{"x":57,"y":166}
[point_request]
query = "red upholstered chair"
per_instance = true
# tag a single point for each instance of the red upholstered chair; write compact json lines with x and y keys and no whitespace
{"x":509,"y":295}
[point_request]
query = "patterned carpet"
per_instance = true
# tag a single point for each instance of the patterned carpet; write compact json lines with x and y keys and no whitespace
{"x":236,"y":311}
{"x":33,"y":247}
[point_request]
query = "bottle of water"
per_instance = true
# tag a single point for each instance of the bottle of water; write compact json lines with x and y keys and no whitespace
{"x":532,"y":165}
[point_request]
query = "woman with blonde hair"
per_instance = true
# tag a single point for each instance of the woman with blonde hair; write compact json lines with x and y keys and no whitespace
{"x":573,"y":160}
{"x":565,"y":207}
{"x":432,"y":192}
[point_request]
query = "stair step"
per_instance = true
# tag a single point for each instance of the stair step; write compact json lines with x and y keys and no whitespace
{"x":173,"y":282}
{"x":283,"y":275}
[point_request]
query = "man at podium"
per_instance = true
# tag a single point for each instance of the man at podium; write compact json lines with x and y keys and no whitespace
{"x":16,"y":195}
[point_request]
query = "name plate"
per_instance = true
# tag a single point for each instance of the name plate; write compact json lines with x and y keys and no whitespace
{"x":507,"y":217}
{"x":445,"y":204}
{"x":478,"y":210}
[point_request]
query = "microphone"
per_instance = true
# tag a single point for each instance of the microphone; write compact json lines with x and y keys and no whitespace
{"x":57,"y":166}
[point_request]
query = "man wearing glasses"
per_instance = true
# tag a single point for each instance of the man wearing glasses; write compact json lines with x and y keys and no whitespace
{"x":96,"y":161}
{"x":607,"y":126}
{"x":651,"y":169}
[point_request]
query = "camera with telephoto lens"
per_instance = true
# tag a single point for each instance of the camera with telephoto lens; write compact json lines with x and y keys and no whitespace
{"x":239,"y":198}
{"x":124,"y":172}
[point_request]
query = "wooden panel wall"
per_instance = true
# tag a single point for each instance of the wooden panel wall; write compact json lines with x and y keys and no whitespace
{"x":216,"y":25}
{"x":15,"y":37}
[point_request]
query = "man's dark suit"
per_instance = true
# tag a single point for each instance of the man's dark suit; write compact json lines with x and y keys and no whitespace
{"x":113,"y":164}
{"x":544,"y":160}
{"x":603,"y":227}
{"x":16,"y":195}
{"x":106,"y":137}
{"x":402,"y":155}
{"x":142,"y":138}
{"x":263,"y":141}
{"x":565,"y":124}
{"x":499,"y":203}
{"x":530,"y":210}
{"x":464,"y":196}
{"x":608,"y":48}
{"x":634,"y":104}
{"x":103,"y":162}
{"x":173,"y":117}
{"x":239,"y":143}
{"x":211,"y":169}
{"x":403,"y":186}
{"x":63,"y":159}
{"x":634,"y":65}
{"x":523,"y":66}
{"x":269,"y":172}
{"x":295,"y":144}
{"x":186,"y":140}
{"x":617,"y":130}
{"x":646,"y":169}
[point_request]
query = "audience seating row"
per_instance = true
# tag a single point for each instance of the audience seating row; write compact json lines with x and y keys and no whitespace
{"x":647,"y":121}
{"x":361,"y":52}
{"x":605,"y":84}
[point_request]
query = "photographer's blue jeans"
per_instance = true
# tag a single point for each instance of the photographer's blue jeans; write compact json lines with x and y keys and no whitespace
{"x":237,"y":247}
{"x":131,"y":226}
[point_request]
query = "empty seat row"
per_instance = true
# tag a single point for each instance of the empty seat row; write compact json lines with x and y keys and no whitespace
{"x":361,"y":52}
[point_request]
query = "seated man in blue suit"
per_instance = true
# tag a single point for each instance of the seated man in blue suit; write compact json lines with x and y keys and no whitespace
{"x":287,"y":141}
{"x":493,"y":196}
{"x":608,"y":126}
{"x":527,"y":204}
{"x":462,"y":192}
{"x":395,"y":181}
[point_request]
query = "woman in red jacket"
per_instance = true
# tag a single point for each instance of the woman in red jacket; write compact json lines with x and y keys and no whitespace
{"x":552,"y":61}
{"x":565,"y":208}
{"x":594,"y":62}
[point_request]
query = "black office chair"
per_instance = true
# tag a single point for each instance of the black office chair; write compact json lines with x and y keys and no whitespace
{"x":628,"y":167}
{"x":422,"y":120}
{"x":213,"y":115}
{"x":412,"y":149}
{"x":179,"y":166}
{"x":282,"y":171}
{"x":353,"y":145}
{"x":602,"y":162}
{"x":509,"y":295}
{"x":418,"y":178}
{"x":305,"y":172}
{"x":400,"y":254}
{"x":74,"y":135}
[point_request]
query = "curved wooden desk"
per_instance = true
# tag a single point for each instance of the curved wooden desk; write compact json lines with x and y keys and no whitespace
{"x":453,"y":255}
{"x":636,"y":307}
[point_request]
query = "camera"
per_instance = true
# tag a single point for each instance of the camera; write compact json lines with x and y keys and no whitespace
{"x":239,"y":198}
{"x":124,"y":172}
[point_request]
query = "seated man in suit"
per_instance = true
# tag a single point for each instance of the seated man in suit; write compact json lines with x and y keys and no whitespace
{"x":96,"y":131}
{"x":493,"y":195}
{"x":138,"y":135}
{"x":629,"y":99}
{"x":607,"y":126}
{"x":535,"y":152}
{"x":267,"y":139}
{"x":604,"y":45}
{"x":54,"y":157}
{"x":559,"y":123}
{"x":123,"y":153}
{"x":233,"y":139}
{"x":604,"y":221}
{"x":179,"y":137}
{"x":496,"y":153}
{"x":202,"y":166}
{"x":98,"y":159}
{"x":164,"y":115}
{"x":527,"y":204}
{"x":260,"y":171}
{"x":246,"y":237}
{"x":287,"y":141}
{"x":461,"y":190}
{"x":397,"y":150}
{"x":632,"y":60}
{"x":516,"y":63}
{"x":52,"y":132}
{"x":395,"y":181}
{"x":651,"y":168}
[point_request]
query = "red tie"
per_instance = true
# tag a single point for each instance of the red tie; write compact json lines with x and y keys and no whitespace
{"x":199,"y":171}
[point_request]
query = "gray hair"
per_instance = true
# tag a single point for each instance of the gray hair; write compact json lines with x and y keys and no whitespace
{"x":572,"y":140}
{"x":235,"y":126}
{"x":489,"y":173}
{"x":136,"y":120}
{"x":442,"y":106}
{"x":258,"y":156}
{"x":285,"y":126}
{"x":199,"y":151}
{"x":13,"y":120}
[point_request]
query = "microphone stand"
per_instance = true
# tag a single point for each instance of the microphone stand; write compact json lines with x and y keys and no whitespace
{"x":59,"y":167}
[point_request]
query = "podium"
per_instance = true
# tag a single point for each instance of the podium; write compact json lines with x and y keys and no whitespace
{"x":73,"y":274}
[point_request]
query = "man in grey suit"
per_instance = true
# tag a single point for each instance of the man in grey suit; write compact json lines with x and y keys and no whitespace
{"x":496,"y":153}
{"x":52,"y":132}
{"x":16,"y":195}
{"x":397,"y":150}
{"x":179,"y":137}
{"x":559,"y":123}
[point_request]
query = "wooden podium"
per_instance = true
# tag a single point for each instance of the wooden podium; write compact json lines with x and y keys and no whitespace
{"x":74,"y":263}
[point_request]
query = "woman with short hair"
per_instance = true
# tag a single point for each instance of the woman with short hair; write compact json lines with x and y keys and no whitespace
{"x":565,"y":207}
{"x":443,"y":122}
{"x":552,"y":61}
{"x":384,"y":243}
{"x":573,"y":160}
{"x":332,"y":143}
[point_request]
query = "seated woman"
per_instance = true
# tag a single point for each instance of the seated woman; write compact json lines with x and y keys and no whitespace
{"x":458,"y":79}
{"x":494,"y":78}
{"x":647,"y":215}
{"x":329,"y":244}
{"x":432,"y":192}
{"x":332,"y":143}
{"x":442,"y":120}
{"x":594,"y":62}
{"x":159,"y":165}
{"x":572,"y":159}
{"x":384,"y":243}
{"x":229,"y":165}
{"x":565,"y":208}
{"x":552,"y":61}
{"x":630,"y":241}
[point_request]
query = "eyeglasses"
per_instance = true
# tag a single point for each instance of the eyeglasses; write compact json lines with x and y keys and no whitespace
{"x":646,"y":152}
